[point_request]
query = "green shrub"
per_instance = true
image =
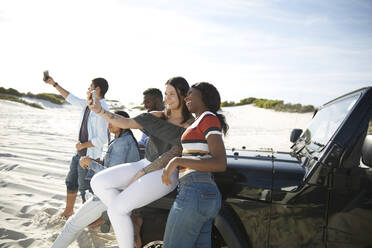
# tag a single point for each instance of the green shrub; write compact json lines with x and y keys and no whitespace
{"x":35,"y":105}
{"x":259,"y":102}
{"x":3,"y":90}
{"x":118,"y":107}
{"x":227,"y":104}
{"x":54,"y":98}
{"x":10,"y":91}
{"x":246,"y":101}
{"x":50,"y":97}
{"x":298,"y":108}
{"x":16,"y":99}
{"x":277,"y":105}
{"x":307,"y":109}
{"x":29,"y":94}
{"x":270,"y":104}
{"x":139,"y":107}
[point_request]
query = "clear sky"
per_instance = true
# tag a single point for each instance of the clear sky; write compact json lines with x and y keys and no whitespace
{"x":306,"y":51}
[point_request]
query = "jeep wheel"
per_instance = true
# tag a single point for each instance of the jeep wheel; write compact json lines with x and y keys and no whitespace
{"x":217,"y":241}
{"x":154,"y":244}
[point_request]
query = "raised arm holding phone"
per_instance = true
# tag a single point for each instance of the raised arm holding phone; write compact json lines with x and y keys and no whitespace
{"x":49,"y":80}
{"x":92,"y":135}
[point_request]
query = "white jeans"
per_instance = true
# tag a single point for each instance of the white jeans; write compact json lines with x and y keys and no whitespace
{"x":110,"y":186}
{"x":87,"y":213}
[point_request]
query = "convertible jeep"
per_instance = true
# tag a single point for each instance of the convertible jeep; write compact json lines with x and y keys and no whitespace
{"x":317,"y":195}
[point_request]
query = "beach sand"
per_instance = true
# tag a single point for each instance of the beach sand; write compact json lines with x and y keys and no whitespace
{"x":257,"y":128}
{"x":36,"y":147}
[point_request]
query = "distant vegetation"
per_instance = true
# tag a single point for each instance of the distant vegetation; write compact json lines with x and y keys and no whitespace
{"x":139,"y":107}
{"x":13,"y":95}
{"x":54,"y":98}
{"x":16,"y":99}
{"x":277,"y":105}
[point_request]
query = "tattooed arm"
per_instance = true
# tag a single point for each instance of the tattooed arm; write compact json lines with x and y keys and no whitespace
{"x":118,"y":120}
{"x":163,"y":160}
{"x":159,"y":163}
{"x":114,"y":119}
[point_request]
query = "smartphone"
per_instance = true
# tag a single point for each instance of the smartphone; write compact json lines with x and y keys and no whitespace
{"x":94,"y":96}
{"x":46,"y":75}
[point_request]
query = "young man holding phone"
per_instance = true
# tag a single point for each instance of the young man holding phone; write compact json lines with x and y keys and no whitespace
{"x":92,"y":136}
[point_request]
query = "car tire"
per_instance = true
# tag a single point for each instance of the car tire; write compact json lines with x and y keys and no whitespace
{"x":154,"y":244}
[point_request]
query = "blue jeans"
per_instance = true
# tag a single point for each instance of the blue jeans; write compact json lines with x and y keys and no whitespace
{"x":191,"y":217}
{"x":75,"y":179}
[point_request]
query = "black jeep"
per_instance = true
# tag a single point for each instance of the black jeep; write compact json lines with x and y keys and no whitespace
{"x":317,"y":195}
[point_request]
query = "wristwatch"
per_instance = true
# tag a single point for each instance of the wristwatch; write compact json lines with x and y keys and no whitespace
{"x":54,"y":85}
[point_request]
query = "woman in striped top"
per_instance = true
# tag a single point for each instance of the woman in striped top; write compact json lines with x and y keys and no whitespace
{"x":198,"y":201}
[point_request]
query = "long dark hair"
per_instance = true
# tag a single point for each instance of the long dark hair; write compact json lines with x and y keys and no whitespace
{"x":182,"y":87}
{"x":212,"y":100}
{"x":126,"y":115}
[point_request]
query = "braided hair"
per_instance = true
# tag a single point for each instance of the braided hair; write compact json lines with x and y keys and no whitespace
{"x":212,"y":100}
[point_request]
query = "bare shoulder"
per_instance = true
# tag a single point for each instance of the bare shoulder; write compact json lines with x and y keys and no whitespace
{"x":159,"y":114}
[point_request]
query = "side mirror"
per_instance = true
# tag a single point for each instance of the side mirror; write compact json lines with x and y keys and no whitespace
{"x":295,"y":134}
{"x":367,"y":151}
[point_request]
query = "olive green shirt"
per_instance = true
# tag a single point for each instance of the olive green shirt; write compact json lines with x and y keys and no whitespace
{"x":162,"y":135}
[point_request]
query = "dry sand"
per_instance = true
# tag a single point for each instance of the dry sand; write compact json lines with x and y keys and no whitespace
{"x":257,"y":128}
{"x":35,"y":151}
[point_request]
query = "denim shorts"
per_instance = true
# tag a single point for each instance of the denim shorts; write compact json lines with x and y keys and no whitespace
{"x":75,"y":179}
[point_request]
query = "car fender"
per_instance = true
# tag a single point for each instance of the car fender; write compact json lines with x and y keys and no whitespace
{"x":231,"y":228}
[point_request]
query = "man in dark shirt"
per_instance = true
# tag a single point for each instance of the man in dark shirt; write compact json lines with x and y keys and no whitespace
{"x":152,"y":101}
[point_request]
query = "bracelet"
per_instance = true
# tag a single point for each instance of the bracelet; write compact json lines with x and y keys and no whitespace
{"x":54,"y":85}
{"x":144,"y":171}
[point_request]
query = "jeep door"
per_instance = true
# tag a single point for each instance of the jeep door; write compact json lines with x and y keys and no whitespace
{"x":246,"y":189}
{"x":298,"y":209}
{"x":350,"y":204}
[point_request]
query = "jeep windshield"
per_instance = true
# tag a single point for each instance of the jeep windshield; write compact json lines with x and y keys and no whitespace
{"x":325,"y":124}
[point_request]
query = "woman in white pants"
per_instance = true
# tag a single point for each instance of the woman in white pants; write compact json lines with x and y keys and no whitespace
{"x":122,"y":149}
{"x":134,"y":185}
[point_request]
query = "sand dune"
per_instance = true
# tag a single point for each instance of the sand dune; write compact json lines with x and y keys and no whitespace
{"x":35,"y":151}
{"x":257,"y":128}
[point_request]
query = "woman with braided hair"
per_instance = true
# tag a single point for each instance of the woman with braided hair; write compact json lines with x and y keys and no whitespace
{"x":198,"y":201}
